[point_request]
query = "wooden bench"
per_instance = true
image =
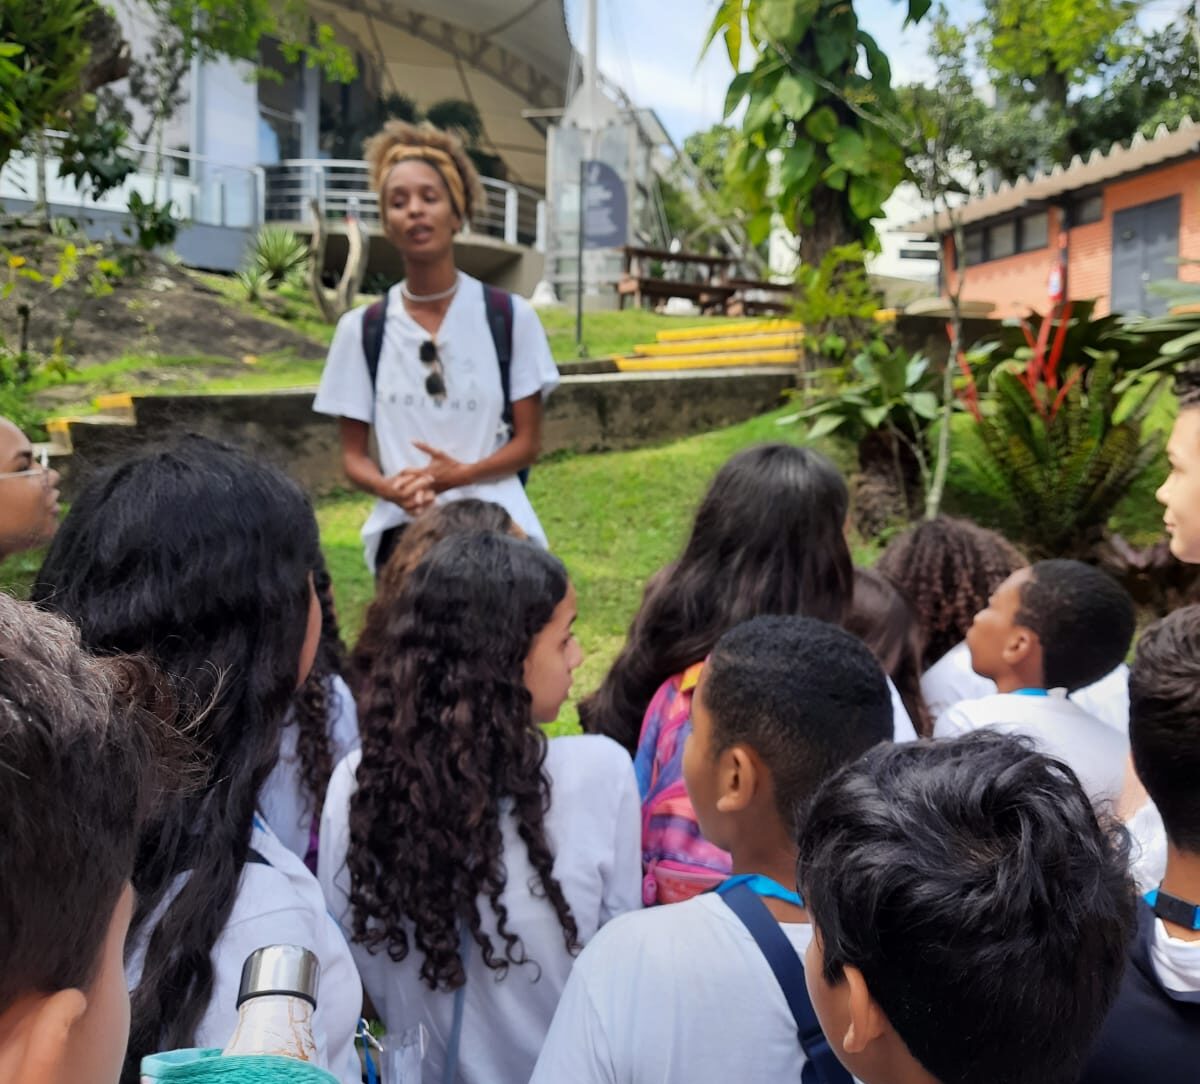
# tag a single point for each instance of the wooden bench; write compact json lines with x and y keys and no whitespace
{"x":708,"y":290}
{"x":745,"y":303}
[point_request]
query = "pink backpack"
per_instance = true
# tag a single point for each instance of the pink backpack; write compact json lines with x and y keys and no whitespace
{"x":677,"y":861}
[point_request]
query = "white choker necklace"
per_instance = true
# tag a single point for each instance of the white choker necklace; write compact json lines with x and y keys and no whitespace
{"x":424,"y":299}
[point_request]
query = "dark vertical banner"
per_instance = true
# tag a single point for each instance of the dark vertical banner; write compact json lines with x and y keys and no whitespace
{"x":605,"y":208}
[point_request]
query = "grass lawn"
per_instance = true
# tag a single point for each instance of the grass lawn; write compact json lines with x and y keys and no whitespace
{"x":613,"y":518}
{"x":606,"y":333}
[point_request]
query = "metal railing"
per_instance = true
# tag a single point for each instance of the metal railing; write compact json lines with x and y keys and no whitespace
{"x":205,"y":191}
{"x":340,"y":186}
{"x":202,"y":190}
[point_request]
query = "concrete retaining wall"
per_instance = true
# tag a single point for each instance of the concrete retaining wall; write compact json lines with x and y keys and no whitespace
{"x":588,"y":413}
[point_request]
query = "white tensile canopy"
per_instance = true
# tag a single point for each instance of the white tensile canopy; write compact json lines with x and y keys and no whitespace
{"x":505,"y":56}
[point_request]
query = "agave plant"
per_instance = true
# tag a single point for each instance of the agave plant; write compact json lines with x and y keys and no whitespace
{"x":277,"y":252}
{"x":1056,"y":445}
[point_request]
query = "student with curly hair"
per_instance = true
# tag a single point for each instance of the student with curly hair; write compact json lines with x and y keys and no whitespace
{"x":449,"y":420}
{"x":468,"y":858}
{"x":429,"y":528}
{"x":947,"y":568}
{"x":201,"y":559}
{"x":320,"y":730}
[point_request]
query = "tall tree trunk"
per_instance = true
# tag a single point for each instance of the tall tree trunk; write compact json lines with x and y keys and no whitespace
{"x":830,"y":227}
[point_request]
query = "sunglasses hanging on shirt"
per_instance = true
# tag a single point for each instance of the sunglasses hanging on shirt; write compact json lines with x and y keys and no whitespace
{"x":435,"y":382}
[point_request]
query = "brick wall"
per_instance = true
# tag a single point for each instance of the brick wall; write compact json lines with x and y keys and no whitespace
{"x":1018,"y":283}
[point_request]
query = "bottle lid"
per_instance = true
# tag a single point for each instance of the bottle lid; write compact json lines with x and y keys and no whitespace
{"x":280,"y":970}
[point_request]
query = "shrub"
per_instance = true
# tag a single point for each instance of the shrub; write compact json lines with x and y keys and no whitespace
{"x":1056,"y":444}
{"x":278,"y":252}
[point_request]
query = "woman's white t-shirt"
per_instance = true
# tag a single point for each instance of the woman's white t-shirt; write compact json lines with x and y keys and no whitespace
{"x":278,"y":903}
{"x":594,"y":829}
{"x":284,"y":801}
{"x":467,"y":424}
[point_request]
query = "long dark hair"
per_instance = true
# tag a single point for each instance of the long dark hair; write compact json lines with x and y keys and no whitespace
{"x":197,"y":557}
{"x":767,"y":539}
{"x":313,"y":700}
{"x":883,"y":619}
{"x":447,"y":737}
{"x":421,"y":534}
{"x":947,"y":568}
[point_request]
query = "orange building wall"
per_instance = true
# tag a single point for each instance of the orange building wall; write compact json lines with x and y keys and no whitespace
{"x":1018,"y":283}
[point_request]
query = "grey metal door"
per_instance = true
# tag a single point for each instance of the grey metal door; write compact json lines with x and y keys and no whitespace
{"x":1144,"y":250}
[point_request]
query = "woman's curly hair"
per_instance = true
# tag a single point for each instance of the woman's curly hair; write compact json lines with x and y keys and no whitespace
{"x":420,"y":535}
{"x":398,"y":133}
{"x":947,"y":568}
{"x":449,"y":751}
{"x":314,"y":699}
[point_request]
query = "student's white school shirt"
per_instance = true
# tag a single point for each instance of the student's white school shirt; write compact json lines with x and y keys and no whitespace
{"x":278,"y":904}
{"x":594,"y":829}
{"x":1095,"y":751}
{"x":284,"y":801}
{"x":1176,"y":961}
{"x":952,"y":679}
{"x":676,"y":993}
{"x":467,"y":425}
{"x":1148,"y":847}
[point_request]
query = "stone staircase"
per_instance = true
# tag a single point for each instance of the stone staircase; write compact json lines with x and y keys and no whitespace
{"x":749,"y":344}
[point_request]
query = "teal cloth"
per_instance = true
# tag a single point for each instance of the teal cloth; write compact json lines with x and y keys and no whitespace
{"x":205,"y":1066}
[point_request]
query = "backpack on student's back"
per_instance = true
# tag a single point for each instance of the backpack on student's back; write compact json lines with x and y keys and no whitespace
{"x":678,"y":861}
{"x":498,"y":305}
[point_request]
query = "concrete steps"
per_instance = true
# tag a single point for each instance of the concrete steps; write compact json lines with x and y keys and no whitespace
{"x":750,"y":343}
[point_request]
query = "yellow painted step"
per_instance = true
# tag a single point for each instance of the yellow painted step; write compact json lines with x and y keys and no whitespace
{"x":781,"y":340}
{"x":723,"y":331}
{"x":706,"y":361}
{"x":113,"y":403}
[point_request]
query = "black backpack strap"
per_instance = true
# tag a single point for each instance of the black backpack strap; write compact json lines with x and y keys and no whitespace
{"x":821,"y":1066}
{"x":373,"y":323}
{"x":499,"y":307}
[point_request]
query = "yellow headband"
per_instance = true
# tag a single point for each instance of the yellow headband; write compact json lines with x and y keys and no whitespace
{"x":440,"y":160}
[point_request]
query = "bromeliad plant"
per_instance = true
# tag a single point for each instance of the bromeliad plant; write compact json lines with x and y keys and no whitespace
{"x":1058,"y":438}
{"x":885,"y":402}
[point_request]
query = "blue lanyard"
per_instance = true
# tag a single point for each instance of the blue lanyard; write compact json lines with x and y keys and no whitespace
{"x":1030,"y":692}
{"x":761,"y":886}
{"x":1181,"y":912}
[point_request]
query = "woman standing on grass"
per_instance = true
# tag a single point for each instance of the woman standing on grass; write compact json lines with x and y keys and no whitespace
{"x":446,"y":425}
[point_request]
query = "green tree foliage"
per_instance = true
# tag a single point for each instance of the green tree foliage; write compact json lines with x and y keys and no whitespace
{"x":43,"y":53}
{"x":1058,"y":93}
{"x":1038,"y":50}
{"x":1157,"y":82}
{"x":819,"y":144}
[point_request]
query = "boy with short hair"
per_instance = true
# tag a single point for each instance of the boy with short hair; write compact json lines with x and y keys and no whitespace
{"x":684,"y":991}
{"x":1048,"y":630}
{"x":1153,"y":1031}
{"x":75,"y":779}
{"x":970,"y":914}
